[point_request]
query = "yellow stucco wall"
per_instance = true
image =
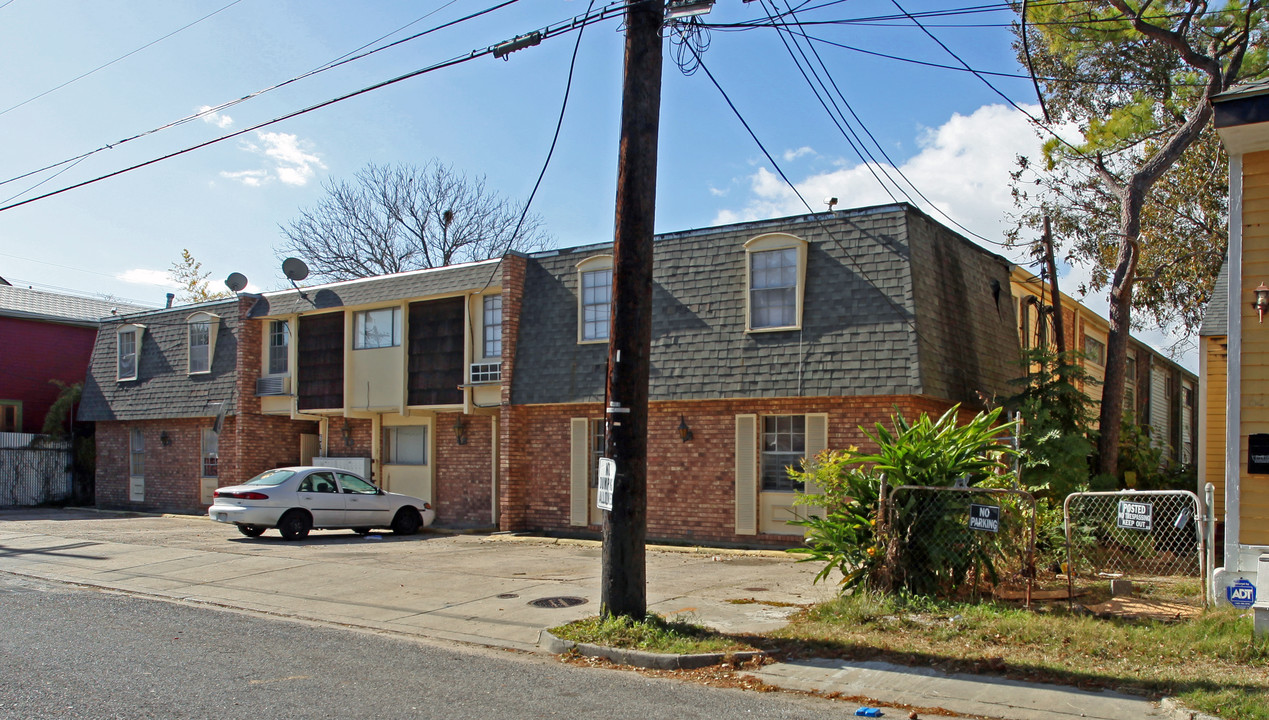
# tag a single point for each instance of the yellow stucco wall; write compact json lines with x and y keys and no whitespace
{"x":1254,"y":386}
{"x":377,"y":379}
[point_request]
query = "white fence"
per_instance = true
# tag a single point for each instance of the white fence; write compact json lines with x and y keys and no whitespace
{"x":34,"y":470}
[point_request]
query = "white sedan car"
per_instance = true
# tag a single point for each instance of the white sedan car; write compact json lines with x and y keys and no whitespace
{"x":297,"y":499}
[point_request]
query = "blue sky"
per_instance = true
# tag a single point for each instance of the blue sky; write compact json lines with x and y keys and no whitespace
{"x":950,"y":133}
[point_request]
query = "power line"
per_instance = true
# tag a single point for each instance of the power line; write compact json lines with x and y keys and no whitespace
{"x":77,"y":292}
{"x":550,"y":31}
{"x":121,"y":57}
{"x":865,"y":155}
{"x":568,"y":88}
{"x":858,"y":268}
{"x":210,"y":110}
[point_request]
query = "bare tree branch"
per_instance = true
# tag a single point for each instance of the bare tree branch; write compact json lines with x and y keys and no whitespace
{"x":393,"y":218}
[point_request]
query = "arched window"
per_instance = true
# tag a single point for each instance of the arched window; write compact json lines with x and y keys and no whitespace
{"x":775,"y":275}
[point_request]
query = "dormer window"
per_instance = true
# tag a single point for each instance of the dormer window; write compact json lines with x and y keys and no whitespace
{"x":594,"y":298}
{"x":201,"y":331}
{"x":128,"y":350}
{"x":776,"y":272}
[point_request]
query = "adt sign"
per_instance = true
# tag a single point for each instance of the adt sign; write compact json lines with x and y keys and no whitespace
{"x":1241,"y":594}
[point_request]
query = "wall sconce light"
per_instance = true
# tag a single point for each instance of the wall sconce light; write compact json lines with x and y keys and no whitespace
{"x":685,"y":432}
{"x":165,"y":439}
{"x":460,"y":431}
{"x":346,"y":431}
{"x":1262,"y":301}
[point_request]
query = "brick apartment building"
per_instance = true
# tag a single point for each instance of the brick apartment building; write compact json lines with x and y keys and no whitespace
{"x":479,"y":387}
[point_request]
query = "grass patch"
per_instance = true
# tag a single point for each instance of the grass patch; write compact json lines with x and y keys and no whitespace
{"x":1211,"y":663}
{"x":652,"y":634}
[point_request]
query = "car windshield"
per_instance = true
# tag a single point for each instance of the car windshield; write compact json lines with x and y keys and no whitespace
{"x":270,"y":478}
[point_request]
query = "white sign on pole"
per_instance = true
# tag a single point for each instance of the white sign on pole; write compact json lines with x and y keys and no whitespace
{"x":607,"y":474}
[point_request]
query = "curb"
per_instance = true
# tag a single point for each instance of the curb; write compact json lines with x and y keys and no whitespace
{"x":640,"y":658}
{"x":505,"y":536}
{"x":1176,"y":710}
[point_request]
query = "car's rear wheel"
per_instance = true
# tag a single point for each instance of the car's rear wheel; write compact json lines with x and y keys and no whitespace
{"x":407,"y":522}
{"x":362,"y":530}
{"x":251,"y":530}
{"x":294,"y":525}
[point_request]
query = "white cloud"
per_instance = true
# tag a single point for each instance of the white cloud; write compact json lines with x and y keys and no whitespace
{"x":145,"y":276}
{"x":221,"y":121}
{"x":252,"y":178}
{"x":790,"y":155}
{"x":291,"y":161}
{"x":962,"y":168}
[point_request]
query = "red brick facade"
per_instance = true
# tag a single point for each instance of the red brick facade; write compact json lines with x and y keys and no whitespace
{"x":691,"y":485}
{"x":463,"y":483}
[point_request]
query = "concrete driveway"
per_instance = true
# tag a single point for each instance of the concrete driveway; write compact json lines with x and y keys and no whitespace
{"x":496,"y":590}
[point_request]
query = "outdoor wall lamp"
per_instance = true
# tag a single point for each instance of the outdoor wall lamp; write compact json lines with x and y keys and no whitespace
{"x":347,"y":433}
{"x":460,"y":431}
{"x":685,"y":433}
{"x":1262,"y":301}
{"x":165,"y":439}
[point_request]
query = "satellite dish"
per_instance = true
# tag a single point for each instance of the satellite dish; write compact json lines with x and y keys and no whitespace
{"x":236,"y":282}
{"x":294,"y":269}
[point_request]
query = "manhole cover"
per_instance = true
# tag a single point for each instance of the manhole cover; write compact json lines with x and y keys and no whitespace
{"x":557,"y":602}
{"x":507,"y":596}
{"x":756,"y":590}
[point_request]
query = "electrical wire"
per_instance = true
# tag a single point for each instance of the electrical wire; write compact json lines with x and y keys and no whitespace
{"x":75,"y":292}
{"x":559,"y":123}
{"x":547,"y":32}
{"x":862,"y":150}
{"x":121,"y":57}
{"x":210,"y":110}
{"x":903,"y":312}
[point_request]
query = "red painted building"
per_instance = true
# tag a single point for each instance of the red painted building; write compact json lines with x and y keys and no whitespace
{"x":44,"y":336}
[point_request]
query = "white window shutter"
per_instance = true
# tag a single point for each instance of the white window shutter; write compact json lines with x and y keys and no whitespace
{"x":579,"y":472}
{"x":816,"y":443}
{"x":746,"y":474}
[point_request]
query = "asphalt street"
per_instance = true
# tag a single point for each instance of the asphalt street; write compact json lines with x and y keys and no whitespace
{"x":71,"y":653}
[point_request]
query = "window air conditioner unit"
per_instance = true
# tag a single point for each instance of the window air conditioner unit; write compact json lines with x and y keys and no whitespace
{"x":277,"y":385}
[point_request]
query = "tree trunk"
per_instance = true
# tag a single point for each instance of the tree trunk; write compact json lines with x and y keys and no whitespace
{"x":1131,"y":197}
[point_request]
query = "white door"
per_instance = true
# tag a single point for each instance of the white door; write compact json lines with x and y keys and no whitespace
{"x":407,"y":467}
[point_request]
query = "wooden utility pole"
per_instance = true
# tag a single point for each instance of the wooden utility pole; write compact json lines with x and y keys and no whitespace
{"x":624,"y":575}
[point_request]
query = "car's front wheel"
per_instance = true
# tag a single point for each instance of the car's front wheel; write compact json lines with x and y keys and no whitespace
{"x":251,"y":530}
{"x":407,"y":522}
{"x":294,"y":525}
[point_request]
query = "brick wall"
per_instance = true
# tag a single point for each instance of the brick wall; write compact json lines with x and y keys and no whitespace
{"x":511,"y":496}
{"x":173,"y":471}
{"x":349,"y":437}
{"x":463,"y":484}
{"x":691,"y":486}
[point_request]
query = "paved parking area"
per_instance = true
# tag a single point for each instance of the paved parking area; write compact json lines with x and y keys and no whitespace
{"x":470,"y":588}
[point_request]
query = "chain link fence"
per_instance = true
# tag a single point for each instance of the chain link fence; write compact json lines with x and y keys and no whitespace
{"x":960,"y":542}
{"x":1154,"y":538}
{"x":40,"y":473}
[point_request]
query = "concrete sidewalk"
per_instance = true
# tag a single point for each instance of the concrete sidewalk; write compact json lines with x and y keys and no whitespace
{"x":491,"y":590}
